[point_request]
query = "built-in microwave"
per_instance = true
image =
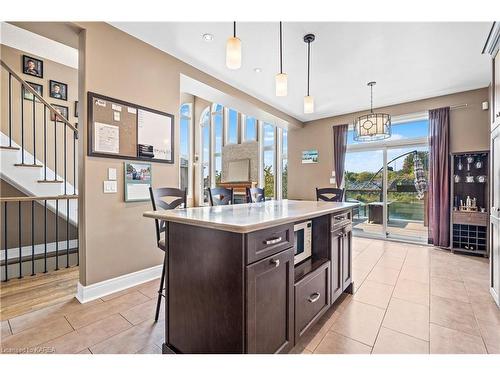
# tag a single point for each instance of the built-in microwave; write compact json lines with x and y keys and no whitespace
{"x":303,"y":241}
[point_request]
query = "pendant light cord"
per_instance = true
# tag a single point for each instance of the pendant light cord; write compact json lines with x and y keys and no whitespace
{"x":371,"y":98}
{"x":281,"y":49}
{"x":308,"y":65}
{"x":234,"y":29}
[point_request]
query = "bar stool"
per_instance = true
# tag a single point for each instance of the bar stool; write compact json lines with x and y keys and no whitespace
{"x":329,"y":194}
{"x":220,"y":196}
{"x":158,"y":197}
{"x":255,"y":195}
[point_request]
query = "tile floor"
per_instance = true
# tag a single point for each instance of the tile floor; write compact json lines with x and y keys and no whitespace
{"x":408,"y":299}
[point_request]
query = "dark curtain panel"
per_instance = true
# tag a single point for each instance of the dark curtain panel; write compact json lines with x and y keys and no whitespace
{"x":339,"y":150}
{"x":439,"y":177}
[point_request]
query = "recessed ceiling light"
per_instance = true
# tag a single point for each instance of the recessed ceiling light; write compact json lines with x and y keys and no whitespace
{"x":257,"y":70}
{"x":207,"y":37}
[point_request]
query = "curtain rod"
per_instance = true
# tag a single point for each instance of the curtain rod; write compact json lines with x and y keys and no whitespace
{"x":459,"y":106}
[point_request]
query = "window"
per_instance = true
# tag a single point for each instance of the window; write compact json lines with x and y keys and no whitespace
{"x":284,"y":164}
{"x":185,"y":147}
{"x":232,"y":126}
{"x":218,"y":125}
{"x":205,"y":153}
{"x":250,"y":129}
{"x":268,"y":159}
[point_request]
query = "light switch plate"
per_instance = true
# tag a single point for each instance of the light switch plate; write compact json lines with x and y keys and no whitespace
{"x":110,"y":187}
{"x":112,"y":174}
{"x":332,"y":181}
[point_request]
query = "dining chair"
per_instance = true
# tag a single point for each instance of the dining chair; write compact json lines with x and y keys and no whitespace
{"x":329,"y":194}
{"x":166,"y":199}
{"x":255,"y":195}
{"x":220,"y":196}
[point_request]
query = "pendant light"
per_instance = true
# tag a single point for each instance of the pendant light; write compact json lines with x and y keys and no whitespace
{"x":281,"y":78}
{"x":308,"y":99}
{"x":373,"y":126}
{"x":233,"y":51}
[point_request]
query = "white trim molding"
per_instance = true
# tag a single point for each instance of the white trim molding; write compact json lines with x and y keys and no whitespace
{"x":91,"y":292}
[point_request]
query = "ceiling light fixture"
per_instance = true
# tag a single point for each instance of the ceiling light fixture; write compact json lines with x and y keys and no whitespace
{"x":308,"y":99}
{"x":233,"y":51}
{"x":281,"y":78}
{"x":257,"y":70}
{"x":207,"y":37}
{"x":373,"y":126}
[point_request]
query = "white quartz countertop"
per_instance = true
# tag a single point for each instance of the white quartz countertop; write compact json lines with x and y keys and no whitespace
{"x":245,"y":218}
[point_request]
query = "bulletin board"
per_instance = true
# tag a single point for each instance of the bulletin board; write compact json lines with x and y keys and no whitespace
{"x":118,"y":129}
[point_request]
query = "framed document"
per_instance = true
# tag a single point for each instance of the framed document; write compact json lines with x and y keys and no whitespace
{"x":137,"y":181}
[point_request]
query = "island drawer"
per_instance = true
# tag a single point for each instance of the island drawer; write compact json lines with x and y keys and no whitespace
{"x":269,"y":241}
{"x":312,"y":298}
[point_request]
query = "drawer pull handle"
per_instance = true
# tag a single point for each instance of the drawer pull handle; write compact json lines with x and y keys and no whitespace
{"x":276,"y":262}
{"x":272,"y":241}
{"x":314,"y":297}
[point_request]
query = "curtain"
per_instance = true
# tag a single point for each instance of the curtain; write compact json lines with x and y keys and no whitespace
{"x":439,"y":177}
{"x":339,"y":150}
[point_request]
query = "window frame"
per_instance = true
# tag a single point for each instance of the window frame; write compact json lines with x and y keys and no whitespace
{"x":190,"y":152}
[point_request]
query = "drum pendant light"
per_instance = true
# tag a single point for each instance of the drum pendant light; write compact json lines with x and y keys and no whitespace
{"x":308,"y":99}
{"x":281,"y":78}
{"x":233,"y":51}
{"x":373,"y":126}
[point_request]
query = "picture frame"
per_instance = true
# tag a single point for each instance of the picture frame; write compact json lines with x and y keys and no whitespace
{"x":63,"y":110}
{"x":28,"y":95}
{"x":76,"y":109}
{"x":310,"y":157}
{"x":58,"y":90}
{"x":32,"y":66}
{"x":137,"y":178}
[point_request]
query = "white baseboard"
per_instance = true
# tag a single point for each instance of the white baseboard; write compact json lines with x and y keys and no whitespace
{"x":91,"y":292}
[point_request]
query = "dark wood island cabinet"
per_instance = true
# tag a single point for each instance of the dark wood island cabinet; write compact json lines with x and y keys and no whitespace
{"x":232,"y":285}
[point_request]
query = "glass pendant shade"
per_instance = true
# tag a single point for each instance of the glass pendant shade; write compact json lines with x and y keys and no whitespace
{"x":308,"y":104}
{"x":281,"y":84}
{"x":372,"y":127}
{"x":233,"y":53}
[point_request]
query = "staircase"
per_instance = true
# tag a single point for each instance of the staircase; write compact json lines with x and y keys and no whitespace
{"x":38,"y":150}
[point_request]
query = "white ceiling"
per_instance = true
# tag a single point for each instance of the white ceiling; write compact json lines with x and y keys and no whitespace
{"x":409,"y":61}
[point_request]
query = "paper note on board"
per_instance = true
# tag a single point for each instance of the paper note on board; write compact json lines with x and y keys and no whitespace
{"x":106,"y":138}
{"x":138,"y":191}
{"x":132,"y":110}
{"x":155,"y":130}
{"x":116,"y":107}
{"x":100,"y":103}
{"x":116,"y":116}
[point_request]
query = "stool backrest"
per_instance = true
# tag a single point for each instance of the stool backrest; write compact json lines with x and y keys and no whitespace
{"x":329,"y":194}
{"x":220,"y":196}
{"x":255,"y":195}
{"x":158,"y":202}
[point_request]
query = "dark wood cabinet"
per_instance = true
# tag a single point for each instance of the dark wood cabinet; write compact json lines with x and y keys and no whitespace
{"x":270,"y":310}
{"x":336,"y":261}
{"x":346,"y":257}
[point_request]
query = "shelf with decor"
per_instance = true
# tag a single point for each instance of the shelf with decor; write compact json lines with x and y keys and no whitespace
{"x":469,"y":202}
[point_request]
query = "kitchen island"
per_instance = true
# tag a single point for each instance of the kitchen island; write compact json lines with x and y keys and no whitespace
{"x":232,"y":285}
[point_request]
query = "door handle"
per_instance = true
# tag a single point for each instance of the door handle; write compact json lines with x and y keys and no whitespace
{"x":314,"y":297}
{"x":276,"y":262}
{"x":272,"y":241}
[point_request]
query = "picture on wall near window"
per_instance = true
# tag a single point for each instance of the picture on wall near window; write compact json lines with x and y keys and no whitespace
{"x":32,"y":66}
{"x":62,"y":110}
{"x":76,"y":109}
{"x":137,"y":181}
{"x":310,"y":157}
{"x":58,"y":90}
{"x":28,"y":95}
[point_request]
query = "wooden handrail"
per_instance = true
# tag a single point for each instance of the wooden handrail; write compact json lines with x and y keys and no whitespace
{"x":41,"y":99}
{"x":40,"y":198}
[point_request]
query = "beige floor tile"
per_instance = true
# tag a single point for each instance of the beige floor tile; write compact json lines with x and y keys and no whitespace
{"x":413,"y":291}
{"x":485,"y":309}
{"x":420,"y":274}
{"x":383,"y":275}
{"x":389,"y":261}
{"x":450,"y":289}
{"x":89,"y":335}
{"x":118,"y":294}
{"x":35,"y":336}
{"x":408,"y":317}
{"x":360,"y":322}
{"x":108,"y":308}
{"x":358,"y":276}
{"x":446,"y":272}
{"x":149,"y":289}
{"x":132,"y":340}
{"x":393,"y":342}
{"x":85,"y":351}
{"x":5,"y":329}
{"x":333,"y":343}
{"x":477,"y":288}
{"x":416,"y":259}
{"x":449,"y":341}
{"x":374,"y":293}
{"x":453,"y":314}
{"x":491,"y":335}
{"x":313,"y":336}
{"x":144,"y":311}
{"x":361,"y":262}
{"x":150,"y":349}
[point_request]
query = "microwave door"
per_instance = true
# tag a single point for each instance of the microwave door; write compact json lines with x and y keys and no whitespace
{"x":299,"y":242}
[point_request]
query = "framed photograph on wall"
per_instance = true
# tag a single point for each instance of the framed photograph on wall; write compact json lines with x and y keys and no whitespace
{"x":62,"y":110}
{"x":35,"y":86}
{"x":137,"y":181}
{"x":32,"y":66}
{"x":58,"y":90}
{"x":310,"y":157}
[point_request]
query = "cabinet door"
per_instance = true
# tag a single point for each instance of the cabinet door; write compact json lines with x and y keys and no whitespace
{"x":494,"y":259}
{"x":269,"y":287}
{"x":336,"y":259}
{"x":346,"y":258}
{"x":495,"y":173}
{"x":496,"y":91}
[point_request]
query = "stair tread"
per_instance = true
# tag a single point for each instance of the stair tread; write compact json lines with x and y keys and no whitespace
{"x":28,"y":165}
{"x":9,"y":148}
{"x":50,"y":181}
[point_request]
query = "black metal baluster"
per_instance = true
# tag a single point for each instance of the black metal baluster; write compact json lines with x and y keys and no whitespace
{"x":6,"y":244}
{"x":32,"y":238}
{"x":65,"y":162}
{"x":55,"y":147}
{"x":20,"y":241}
{"x":67,"y":233}
{"x":34,"y":132}
{"x":57,"y":234}
{"x":74,"y":163}
{"x":10,"y":110}
{"x":45,"y":238}
{"x":22,"y":127}
{"x":45,"y":143}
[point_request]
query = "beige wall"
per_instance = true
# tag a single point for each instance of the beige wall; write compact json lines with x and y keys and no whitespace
{"x":469,"y":131}
{"x":114,"y":237}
